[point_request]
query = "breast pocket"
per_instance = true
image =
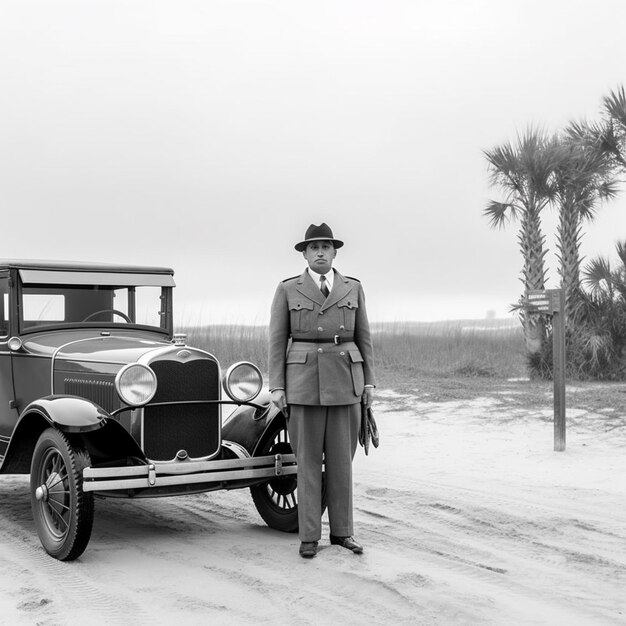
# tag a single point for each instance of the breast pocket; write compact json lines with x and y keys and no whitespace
{"x":301,"y":315}
{"x":347,"y":311}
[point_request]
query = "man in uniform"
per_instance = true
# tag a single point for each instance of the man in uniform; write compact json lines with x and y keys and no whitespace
{"x":320,"y":371}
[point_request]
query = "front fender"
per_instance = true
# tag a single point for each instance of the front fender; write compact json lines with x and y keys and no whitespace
{"x":71,"y":414}
{"x":247,"y":425}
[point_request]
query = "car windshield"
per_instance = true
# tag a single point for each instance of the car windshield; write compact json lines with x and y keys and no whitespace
{"x":73,"y":305}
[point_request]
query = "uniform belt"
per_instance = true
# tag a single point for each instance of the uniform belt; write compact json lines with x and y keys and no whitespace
{"x":337,"y":339}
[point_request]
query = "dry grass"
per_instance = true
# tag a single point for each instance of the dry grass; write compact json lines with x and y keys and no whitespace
{"x":231,"y":343}
{"x":445,"y":361}
{"x":465,"y":349}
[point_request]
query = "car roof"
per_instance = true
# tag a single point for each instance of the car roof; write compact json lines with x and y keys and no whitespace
{"x":81,"y":266}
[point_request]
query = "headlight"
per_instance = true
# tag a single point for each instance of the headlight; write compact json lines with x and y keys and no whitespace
{"x":243,"y":382}
{"x":136,"y":384}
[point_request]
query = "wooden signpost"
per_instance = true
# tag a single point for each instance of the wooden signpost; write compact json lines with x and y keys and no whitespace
{"x":552,"y":302}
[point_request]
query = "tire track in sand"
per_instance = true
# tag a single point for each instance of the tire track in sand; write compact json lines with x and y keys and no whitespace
{"x":80,"y":601}
{"x":509,"y":545}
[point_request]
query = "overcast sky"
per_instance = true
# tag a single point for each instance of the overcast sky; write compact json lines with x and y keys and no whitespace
{"x":207,"y":135}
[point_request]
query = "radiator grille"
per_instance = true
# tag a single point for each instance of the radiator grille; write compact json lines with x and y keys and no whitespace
{"x":102,"y":392}
{"x":191,"y":427}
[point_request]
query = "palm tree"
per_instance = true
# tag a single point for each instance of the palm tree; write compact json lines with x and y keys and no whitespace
{"x":525,"y":174}
{"x":600,"y":338}
{"x":605,"y":281}
{"x":583,"y":177}
{"x":614,"y":136}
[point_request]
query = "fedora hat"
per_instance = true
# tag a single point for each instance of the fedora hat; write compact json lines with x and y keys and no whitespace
{"x":318,"y":233}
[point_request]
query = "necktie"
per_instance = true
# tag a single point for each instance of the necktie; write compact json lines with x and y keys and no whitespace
{"x":324,"y":286}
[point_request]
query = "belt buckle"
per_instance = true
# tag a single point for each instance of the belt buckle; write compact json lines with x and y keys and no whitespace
{"x":337,"y":340}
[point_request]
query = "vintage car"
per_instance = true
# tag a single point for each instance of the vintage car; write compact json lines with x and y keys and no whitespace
{"x":101,"y":399}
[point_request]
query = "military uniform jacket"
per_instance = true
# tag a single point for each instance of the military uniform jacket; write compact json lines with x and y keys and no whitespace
{"x":328,"y":373}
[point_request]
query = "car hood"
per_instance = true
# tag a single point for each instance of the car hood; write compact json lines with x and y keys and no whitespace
{"x":118,"y":348}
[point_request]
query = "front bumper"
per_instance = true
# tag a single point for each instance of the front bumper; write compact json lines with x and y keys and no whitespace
{"x":213,"y":473}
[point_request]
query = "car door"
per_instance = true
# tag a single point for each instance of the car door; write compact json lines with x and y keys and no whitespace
{"x":8,"y":415}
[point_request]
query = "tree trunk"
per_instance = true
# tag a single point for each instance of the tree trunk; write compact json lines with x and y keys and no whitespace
{"x":531,"y":242}
{"x":534,"y":333}
{"x":569,"y":255}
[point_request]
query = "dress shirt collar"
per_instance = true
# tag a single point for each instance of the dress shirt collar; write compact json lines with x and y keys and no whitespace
{"x":316,"y":278}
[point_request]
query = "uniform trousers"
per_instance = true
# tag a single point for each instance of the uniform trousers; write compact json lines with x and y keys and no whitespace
{"x":329,"y":435}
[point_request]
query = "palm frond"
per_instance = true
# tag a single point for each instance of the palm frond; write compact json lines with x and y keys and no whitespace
{"x":584,"y":309}
{"x":598,"y":276}
{"x":608,"y":189}
{"x":612,"y":142}
{"x":615,"y":106}
{"x":597,"y":347}
{"x":499,"y":213}
{"x":586,"y":133}
{"x":620,"y":246}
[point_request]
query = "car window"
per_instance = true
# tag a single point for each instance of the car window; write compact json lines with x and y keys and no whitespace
{"x":45,"y":305}
{"x":148,"y":305}
{"x":4,"y":307}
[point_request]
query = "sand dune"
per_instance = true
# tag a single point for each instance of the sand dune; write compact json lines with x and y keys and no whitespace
{"x":466,"y":514}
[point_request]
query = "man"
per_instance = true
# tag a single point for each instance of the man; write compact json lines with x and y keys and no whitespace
{"x":320,"y":370}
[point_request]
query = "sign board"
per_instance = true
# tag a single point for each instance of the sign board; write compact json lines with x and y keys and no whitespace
{"x":537,"y":301}
{"x":546,"y":301}
{"x":552,"y":302}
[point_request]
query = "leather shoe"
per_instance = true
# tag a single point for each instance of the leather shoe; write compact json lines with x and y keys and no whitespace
{"x":308,"y":549}
{"x":346,"y":542}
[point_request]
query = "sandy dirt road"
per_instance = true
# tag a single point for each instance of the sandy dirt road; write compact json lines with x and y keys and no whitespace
{"x":466,"y":514}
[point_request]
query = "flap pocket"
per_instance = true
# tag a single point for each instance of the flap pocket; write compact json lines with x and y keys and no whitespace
{"x":296,"y":357}
{"x":298,"y":305}
{"x":349,"y":303}
{"x":355,"y":356}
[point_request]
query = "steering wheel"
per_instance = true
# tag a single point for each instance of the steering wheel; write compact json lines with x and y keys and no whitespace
{"x":114,"y":311}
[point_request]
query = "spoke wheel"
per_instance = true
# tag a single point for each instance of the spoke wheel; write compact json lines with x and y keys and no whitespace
{"x":277,"y":500}
{"x":63,"y":514}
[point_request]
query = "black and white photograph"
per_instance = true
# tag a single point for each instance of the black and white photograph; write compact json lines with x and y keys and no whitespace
{"x":313,"y":312}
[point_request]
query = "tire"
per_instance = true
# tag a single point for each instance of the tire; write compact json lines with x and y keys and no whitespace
{"x":277,"y":500}
{"x":63,"y":513}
